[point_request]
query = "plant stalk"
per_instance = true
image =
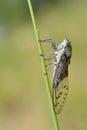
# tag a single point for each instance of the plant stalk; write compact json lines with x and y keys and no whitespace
{"x":40,"y":49}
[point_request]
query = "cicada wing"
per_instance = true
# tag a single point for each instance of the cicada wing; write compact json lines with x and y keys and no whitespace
{"x":60,"y":94}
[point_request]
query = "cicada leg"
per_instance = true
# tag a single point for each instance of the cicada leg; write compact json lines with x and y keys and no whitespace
{"x":51,"y":41}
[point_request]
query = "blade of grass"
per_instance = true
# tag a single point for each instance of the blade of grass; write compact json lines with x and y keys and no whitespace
{"x":43,"y":66}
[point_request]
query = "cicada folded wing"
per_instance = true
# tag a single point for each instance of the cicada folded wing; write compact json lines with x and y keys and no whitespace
{"x":60,"y":94}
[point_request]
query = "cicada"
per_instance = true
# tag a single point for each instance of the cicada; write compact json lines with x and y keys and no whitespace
{"x":60,"y":83}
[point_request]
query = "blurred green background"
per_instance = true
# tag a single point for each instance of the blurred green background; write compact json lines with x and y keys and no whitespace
{"x":24,"y":102}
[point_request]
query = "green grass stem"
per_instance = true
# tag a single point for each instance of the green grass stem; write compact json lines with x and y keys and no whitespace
{"x":40,"y":49}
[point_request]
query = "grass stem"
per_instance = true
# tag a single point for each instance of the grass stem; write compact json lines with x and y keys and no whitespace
{"x":40,"y":49}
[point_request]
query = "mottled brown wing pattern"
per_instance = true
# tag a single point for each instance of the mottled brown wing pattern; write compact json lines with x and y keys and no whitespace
{"x":60,"y":94}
